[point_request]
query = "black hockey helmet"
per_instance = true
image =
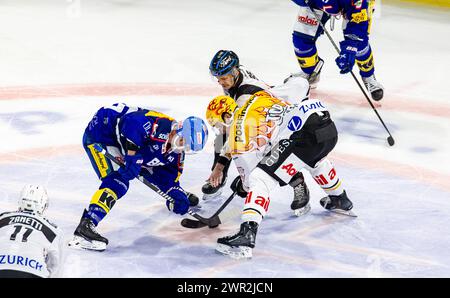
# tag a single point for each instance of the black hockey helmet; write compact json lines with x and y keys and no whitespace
{"x":223,"y":63}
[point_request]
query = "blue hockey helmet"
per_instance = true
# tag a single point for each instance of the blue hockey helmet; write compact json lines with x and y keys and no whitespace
{"x":223,"y":63}
{"x":194,"y":133}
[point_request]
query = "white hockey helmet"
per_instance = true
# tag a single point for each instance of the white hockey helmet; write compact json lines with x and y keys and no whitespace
{"x":33,"y":198}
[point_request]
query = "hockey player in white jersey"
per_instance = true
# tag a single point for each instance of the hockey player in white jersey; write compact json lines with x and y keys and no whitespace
{"x":270,"y":141}
{"x":30,"y":246}
{"x":238,"y":86}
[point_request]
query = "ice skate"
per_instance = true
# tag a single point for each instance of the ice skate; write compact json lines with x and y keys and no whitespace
{"x":240,"y":245}
{"x":376,"y":89}
{"x":86,"y":237}
{"x":339,"y":204}
{"x":210,"y":191}
{"x":300,"y":204}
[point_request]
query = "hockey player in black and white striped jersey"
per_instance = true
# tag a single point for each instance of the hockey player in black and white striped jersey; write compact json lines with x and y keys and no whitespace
{"x":30,"y":246}
{"x":240,"y":84}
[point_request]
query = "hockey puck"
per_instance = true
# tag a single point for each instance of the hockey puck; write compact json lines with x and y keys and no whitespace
{"x":391,"y":141}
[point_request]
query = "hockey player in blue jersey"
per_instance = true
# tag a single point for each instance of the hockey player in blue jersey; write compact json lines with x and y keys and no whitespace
{"x":150,"y":144}
{"x":357,"y":18}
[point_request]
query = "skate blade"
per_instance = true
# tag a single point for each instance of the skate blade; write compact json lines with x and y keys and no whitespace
{"x":302,"y":211}
{"x":237,"y":253}
{"x":344,"y":212}
{"x":81,"y":243}
{"x":213,"y":195}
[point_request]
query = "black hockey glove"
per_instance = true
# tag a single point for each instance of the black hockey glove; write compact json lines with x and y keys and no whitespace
{"x":236,"y":186}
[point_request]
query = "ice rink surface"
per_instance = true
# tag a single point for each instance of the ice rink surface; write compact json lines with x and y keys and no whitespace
{"x":62,"y":60}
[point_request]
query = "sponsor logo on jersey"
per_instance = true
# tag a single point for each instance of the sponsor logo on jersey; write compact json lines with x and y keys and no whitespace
{"x":359,"y":16}
{"x":163,"y":136}
{"x":240,"y":127}
{"x":276,"y":152}
{"x":308,"y":21}
{"x":290,"y":166}
{"x":289,"y":169}
{"x":315,"y":105}
{"x":295,"y":123}
{"x":155,"y":162}
{"x":19,"y":260}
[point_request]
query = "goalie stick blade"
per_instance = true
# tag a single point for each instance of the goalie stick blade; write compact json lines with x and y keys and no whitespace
{"x":192,"y":223}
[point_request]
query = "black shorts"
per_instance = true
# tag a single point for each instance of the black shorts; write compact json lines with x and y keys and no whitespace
{"x":16,"y":274}
{"x":310,"y":145}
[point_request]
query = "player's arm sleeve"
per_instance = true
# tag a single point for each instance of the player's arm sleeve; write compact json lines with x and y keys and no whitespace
{"x":55,"y":256}
{"x":225,"y":156}
{"x":134,"y":133}
{"x":168,"y":175}
{"x":293,"y":91}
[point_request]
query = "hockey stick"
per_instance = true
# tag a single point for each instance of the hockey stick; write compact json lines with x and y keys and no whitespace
{"x":210,"y":222}
{"x":390,"y":139}
{"x":214,"y":219}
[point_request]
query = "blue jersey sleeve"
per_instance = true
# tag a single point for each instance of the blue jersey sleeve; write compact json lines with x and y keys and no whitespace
{"x":167,"y":173}
{"x":136,"y":128}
